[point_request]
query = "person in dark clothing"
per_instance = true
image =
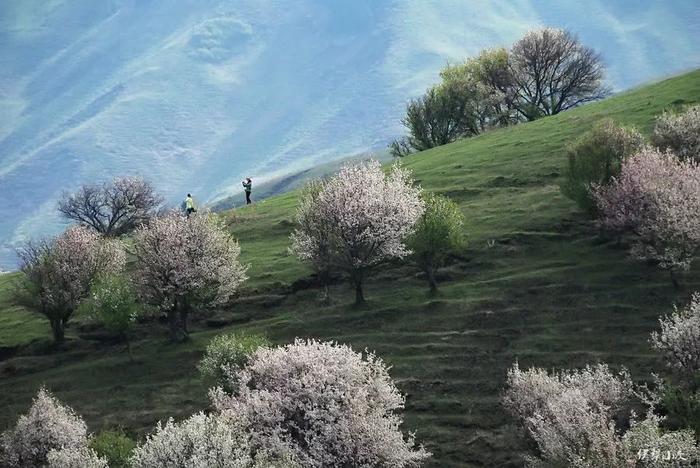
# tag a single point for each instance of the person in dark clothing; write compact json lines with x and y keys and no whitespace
{"x":248,"y":187}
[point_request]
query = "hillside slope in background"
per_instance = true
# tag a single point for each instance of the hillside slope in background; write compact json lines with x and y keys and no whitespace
{"x":196,"y":95}
{"x":535,"y":284}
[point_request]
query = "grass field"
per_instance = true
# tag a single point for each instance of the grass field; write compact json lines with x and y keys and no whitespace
{"x":535,"y":284}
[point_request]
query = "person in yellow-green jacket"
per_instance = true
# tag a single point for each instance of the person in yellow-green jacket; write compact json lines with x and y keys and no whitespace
{"x":188,"y":205}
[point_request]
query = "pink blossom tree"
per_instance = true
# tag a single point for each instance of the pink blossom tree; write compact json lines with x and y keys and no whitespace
{"x":58,"y":273}
{"x":358,"y":219}
{"x":657,"y":198}
{"x":182,"y":261}
{"x":322,"y":404}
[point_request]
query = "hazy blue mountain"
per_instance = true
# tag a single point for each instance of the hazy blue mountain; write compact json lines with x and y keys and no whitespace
{"x":196,"y":94}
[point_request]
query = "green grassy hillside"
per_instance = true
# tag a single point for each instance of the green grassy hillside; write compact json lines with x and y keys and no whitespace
{"x":535,"y":284}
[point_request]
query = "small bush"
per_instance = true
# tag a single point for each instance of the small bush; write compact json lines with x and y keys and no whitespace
{"x":113,"y":303}
{"x":115,"y":446}
{"x":226,"y":354}
{"x":679,"y":133}
{"x":682,"y":407}
{"x":438,"y":232}
{"x":596,"y":158}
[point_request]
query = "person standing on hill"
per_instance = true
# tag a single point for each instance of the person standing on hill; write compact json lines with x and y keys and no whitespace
{"x":188,"y":204}
{"x":248,"y":187}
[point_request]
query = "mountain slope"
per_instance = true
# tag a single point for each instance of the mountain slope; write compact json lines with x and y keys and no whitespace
{"x":535,"y":284}
{"x":196,"y":95}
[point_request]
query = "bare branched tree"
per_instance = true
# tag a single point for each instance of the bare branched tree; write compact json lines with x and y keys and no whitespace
{"x":554,"y":72}
{"x":112,"y":208}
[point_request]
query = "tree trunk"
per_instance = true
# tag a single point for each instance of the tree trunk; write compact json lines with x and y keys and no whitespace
{"x":128,"y":348}
{"x":432,"y":282}
{"x":184,"y":311}
{"x":326,"y":299}
{"x":58,"y":329}
{"x":674,"y":279}
{"x":173,"y":325}
{"x":359,"y":294}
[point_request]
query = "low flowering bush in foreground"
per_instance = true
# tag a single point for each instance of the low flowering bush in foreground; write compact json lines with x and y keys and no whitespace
{"x":81,"y":457}
{"x":201,"y":441}
{"x":47,"y":426}
{"x":322,"y":404}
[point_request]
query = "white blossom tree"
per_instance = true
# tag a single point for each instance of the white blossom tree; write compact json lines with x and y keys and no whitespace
{"x":679,"y":133}
{"x":200,"y":441}
{"x":47,"y":426}
{"x":58,"y":273}
{"x":182,"y":261}
{"x":657,"y":198}
{"x":82,"y":457}
{"x":679,"y":339}
{"x":323,"y":404}
{"x":358,"y":219}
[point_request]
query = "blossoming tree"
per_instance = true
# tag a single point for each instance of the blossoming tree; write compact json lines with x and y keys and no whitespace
{"x":357,"y":219}
{"x":49,"y":434}
{"x":578,"y":419}
{"x":321,"y":404}
{"x":657,"y":198}
{"x":182,"y":261}
{"x":679,"y":133}
{"x":58,"y":273}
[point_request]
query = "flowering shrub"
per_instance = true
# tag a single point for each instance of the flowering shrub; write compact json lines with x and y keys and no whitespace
{"x":58,"y":273}
{"x":75,"y":457}
{"x":180,"y":260}
{"x":357,"y":219}
{"x":47,"y":426}
{"x":201,"y":441}
{"x":322,"y":404}
{"x":679,"y":133}
{"x":653,"y":447}
{"x":438,"y":232}
{"x":595,"y":158}
{"x":226,"y":354}
{"x":657,"y":197}
{"x":570,"y":414}
{"x":530,"y":390}
{"x":679,"y":338}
